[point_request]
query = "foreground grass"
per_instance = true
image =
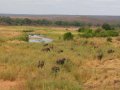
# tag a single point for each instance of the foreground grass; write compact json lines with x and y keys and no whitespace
{"x":19,"y":60}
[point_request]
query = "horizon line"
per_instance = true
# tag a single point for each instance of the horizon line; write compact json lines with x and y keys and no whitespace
{"x":55,"y":14}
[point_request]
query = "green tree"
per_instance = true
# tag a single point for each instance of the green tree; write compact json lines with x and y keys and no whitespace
{"x":62,"y":23}
{"x":27,"y":21}
{"x":106,"y":26}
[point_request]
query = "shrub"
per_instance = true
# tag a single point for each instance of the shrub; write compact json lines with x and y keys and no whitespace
{"x":88,"y":33}
{"x":106,"y":26}
{"x":98,"y":30}
{"x":68,"y":36}
{"x":82,"y":29}
{"x":107,"y":34}
{"x":23,"y":37}
{"x":112,"y":33}
{"x":91,"y":33}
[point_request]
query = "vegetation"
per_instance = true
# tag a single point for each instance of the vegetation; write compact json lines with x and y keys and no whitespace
{"x":107,"y":27}
{"x":68,"y":36}
{"x":23,"y":37}
{"x":86,"y":60}
{"x":27,"y":21}
{"x":98,"y":33}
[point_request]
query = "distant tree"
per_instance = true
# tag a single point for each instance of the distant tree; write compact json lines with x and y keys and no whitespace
{"x":27,"y":21}
{"x":68,"y":36}
{"x":6,"y":20}
{"x":45,"y":22}
{"x":62,"y":23}
{"x":75,"y":23}
{"x":18,"y":21}
{"x":106,"y":26}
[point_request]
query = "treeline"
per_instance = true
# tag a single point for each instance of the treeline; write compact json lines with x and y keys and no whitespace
{"x":27,"y":21}
{"x":44,"y":22}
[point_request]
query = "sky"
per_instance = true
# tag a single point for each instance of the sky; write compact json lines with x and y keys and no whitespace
{"x":63,"y":7}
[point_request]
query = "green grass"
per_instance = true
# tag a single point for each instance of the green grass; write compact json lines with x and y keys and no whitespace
{"x":104,"y":33}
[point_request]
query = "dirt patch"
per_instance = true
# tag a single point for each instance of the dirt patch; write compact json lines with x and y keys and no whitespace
{"x":10,"y":85}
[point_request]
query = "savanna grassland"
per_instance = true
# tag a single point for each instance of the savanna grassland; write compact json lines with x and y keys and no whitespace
{"x":90,"y":63}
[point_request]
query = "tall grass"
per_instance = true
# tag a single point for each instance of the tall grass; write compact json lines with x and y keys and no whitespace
{"x":23,"y":37}
{"x":19,"y":62}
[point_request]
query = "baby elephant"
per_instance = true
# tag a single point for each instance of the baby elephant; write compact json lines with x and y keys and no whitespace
{"x":110,"y":51}
{"x":46,"y":49}
{"x":45,"y":45}
{"x":55,"y":69}
{"x":61,"y":61}
{"x":41,"y":64}
{"x":60,"y":51}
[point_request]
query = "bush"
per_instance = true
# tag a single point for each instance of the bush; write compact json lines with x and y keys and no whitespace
{"x":107,"y":34}
{"x":112,"y":33}
{"x":23,"y":37}
{"x":82,"y":29}
{"x":98,"y":30}
{"x":91,"y":33}
{"x":68,"y":36}
{"x":88,"y":33}
{"x":106,"y":27}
